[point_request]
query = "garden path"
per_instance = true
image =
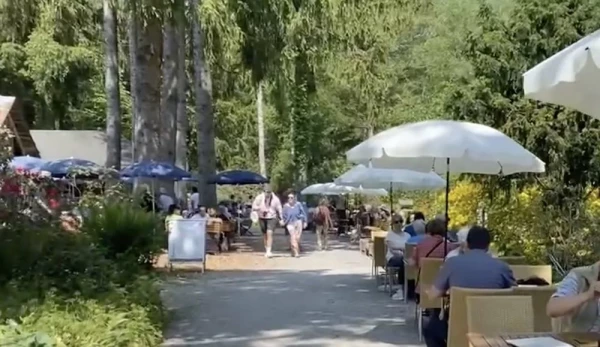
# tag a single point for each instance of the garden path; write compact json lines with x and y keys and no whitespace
{"x":321,"y":299}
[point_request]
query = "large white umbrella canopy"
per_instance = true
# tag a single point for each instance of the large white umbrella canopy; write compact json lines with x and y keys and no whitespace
{"x":569,"y":78}
{"x":335,"y":189}
{"x":446,"y":146}
{"x":373,"y":178}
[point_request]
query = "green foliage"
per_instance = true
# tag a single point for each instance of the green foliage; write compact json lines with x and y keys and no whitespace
{"x":87,"y":288}
{"x":122,"y":231}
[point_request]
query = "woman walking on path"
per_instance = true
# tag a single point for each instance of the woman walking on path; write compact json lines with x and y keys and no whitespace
{"x":323,"y":223}
{"x":294,"y":220}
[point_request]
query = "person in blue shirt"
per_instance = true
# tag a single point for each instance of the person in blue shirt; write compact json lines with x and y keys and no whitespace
{"x":416,"y":229}
{"x":294,"y":219}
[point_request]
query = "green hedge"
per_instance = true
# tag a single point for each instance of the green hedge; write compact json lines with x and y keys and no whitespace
{"x":86,"y":289}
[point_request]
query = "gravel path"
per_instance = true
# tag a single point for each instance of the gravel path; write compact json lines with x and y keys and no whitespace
{"x":321,"y":299}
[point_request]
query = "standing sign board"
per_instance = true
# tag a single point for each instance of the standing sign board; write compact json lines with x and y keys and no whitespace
{"x":187,"y":241}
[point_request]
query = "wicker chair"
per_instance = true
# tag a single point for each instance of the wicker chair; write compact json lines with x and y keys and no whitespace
{"x":539,"y":297}
{"x":430,"y":268}
{"x":523,"y":272}
{"x":494,"y":315}
{"x":514,"y":260}
{"x":378,"y":259}
{"x":410,"y":271}
{"x":457,"y":326}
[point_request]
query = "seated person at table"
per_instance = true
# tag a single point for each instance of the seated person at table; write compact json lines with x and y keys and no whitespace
{"x":474,"y":269}
{"x":578,"y":297}
{"x":395,"y":242}
{"x":416,"y":228}
{"x":432,"y":245}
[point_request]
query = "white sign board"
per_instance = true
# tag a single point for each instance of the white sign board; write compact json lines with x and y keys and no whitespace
{"x":187,"y":240}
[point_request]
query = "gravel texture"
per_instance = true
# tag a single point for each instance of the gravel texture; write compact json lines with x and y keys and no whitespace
{"x":320,"y":299}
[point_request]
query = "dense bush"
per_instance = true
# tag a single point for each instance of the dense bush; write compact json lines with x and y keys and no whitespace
{"x":523,"y":224}
{"x":81,"y":289}
{"x":125,"y":232}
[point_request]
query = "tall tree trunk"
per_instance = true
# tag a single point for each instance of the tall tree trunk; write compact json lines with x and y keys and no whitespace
{"x":111,"y":84}
{"x":181,"y":134}
{"x":136,"y":134}
{"x":261,"y":129}
{"x":170,"y":91}
{"x":204,"y":112}
{"x":148,"y":85}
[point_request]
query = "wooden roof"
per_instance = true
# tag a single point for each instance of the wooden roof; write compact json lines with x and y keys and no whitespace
{"x":11,"y":115}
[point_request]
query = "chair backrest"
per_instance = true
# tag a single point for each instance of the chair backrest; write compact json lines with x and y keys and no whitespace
{"x":430,"y":268}
{"x":379,"y":251}
{"x":378,"y":233}
{"x":458,"y":329}
{"x":523,"y":272}
{"x":514,"y":260}
{"x":410,"y":271}
{"x":539,"y":297}
{"x":494,"y":315}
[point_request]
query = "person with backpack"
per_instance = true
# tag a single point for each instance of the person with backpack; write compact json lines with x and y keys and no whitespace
{"x":323,"y":223}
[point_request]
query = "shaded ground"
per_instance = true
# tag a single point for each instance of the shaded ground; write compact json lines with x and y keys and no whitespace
{"x":320,"y":299}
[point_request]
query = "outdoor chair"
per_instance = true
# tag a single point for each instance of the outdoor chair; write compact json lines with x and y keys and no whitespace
{"x":494,"y":315}
{"x":457,"y":324}
{"x":410,"y":271}
{"x":430,"y":267}
{"x":378,"y":258}
{"x":539,"y":297}
{"x":523,"y":272}
{"x":514,"y":260}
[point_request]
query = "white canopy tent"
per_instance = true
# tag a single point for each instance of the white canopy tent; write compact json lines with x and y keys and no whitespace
{"x":569,"y":78}
{"x":335,"y":189}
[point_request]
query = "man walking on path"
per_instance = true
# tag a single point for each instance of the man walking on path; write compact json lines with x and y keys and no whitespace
{"x":323,"y":223}
{"x":268,"y":207}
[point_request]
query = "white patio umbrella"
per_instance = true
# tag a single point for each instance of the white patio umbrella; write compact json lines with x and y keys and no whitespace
{"x":446,"y":147}
{"x":373,"y":178}
{"x":334,"y":189}
{"x":569,"y":78}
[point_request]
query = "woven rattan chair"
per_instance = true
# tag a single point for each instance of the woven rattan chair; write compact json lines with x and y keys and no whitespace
{"x":410,"y":271}
{"x":494,"y":315}
{"x":523,"y":272}
{"x":457,"y":325}
{"x":539,"y":297}
{"x":514,"y":260}
{"x":378,"y":259}
{"x":429,"y":270}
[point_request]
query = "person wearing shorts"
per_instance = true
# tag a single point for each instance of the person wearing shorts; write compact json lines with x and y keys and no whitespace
{"x":268,"y":207}
{"x":294,"y":219}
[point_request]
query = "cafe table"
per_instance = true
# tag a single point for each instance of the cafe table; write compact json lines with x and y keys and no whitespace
{"x":575,"y":339}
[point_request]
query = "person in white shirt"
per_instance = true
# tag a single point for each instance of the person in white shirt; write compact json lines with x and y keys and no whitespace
{"x":165,"y":200}
{"x":268,"y":207}
{"x":194,"y":200}
{"x":462,"y":241}
{"x":395,"y":242}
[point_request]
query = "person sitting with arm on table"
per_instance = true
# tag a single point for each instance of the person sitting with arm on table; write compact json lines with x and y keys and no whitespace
{"x":578,"y":297}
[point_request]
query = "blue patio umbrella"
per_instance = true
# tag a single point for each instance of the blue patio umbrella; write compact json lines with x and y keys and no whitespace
{"x":238,"y":177}
{"x":27,"y":163}
{"x":155,"y":169}
{"x":72,"y":166}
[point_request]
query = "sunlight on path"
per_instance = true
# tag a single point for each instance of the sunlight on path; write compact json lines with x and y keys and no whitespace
{"x":320,"y":299}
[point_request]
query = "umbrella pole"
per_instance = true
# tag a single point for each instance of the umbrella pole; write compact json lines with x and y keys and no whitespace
{"x":391,"y":199}
{"x":447,"y":205}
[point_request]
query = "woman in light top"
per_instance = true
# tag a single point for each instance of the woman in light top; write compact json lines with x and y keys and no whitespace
{"x":395,"y":242}
{"x":294,"y":219}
